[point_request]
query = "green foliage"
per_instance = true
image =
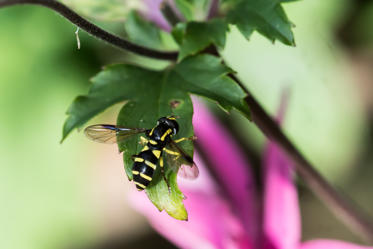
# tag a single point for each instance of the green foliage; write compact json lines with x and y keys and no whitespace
{"x":143,"y":32}
{"x":202,"y":75}
{"x":266,"y":16}
{"x":193,"y":9}
{"x":153,"y":94}
{"x":144,"y":114}
{"x":196,"y":36}
{"x":206,"y":76}
{"x":186,"y":8}
{"x":109,"y":87}
{"x":178,"y":32}
{"x":108,"y":10}
{"x":146,"y":33}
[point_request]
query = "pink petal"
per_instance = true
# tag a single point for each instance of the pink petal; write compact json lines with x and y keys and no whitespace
{"x":281,"y":218}
{"x":180,"y":233}
{"x":331,"y":244}
{"x":210,"y":221}
{"x":154,"y":14}
{"x":229,"y":166}
{"x":204,"y":182}
{"x":210,"y":225}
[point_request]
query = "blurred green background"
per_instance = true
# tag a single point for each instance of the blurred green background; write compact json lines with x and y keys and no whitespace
{"x":74,"y":195}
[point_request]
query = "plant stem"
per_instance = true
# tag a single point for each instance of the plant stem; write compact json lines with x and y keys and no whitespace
{"x":169,"y":14}
{"x":94,"y":30}
{"x":214,"y":9}
{"x":353,"y":217}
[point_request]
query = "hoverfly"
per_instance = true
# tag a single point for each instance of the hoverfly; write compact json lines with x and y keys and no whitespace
{"x":158,"y":142}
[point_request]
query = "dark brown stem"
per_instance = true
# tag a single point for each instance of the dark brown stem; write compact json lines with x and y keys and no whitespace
{"x":351,"y":215}
{"x":214,"y":9}
{"x":169,"y":13}
{"x":93,"y":29}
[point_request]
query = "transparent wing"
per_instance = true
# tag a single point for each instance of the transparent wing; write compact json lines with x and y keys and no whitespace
{"x":188,"y":168}
{"x":110,"y":134}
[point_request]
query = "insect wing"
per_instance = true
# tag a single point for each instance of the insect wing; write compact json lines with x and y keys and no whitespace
{"x":188,"y":168}
{"x":110,"y":134}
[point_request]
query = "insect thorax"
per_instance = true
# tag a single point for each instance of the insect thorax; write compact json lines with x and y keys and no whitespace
{"x":161,"y":134}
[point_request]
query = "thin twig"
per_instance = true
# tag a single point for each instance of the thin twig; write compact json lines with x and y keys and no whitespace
{"x":94,"y":30}
{"x":77,"y":38}
{"x":353,"y":217}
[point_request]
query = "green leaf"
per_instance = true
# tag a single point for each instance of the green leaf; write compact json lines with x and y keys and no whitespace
{"x":143,"y":32}
{"x":163,"y":99}
{"x":196,"y":36}
{"x":112,"y":85}
{"x":151,"y":95}
{"x":148,"y":34}
{"x":186,"y":8}
{"x":266,"y":16}
{"x":172,"y":202}
{"x":193,"y":9}
{"x":157,"y":191}
{"x":178,"y":32}
{"x":205,"y":75}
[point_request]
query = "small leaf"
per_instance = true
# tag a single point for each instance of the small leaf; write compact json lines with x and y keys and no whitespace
{"x":171,"y":202}
{"x":205,"y":75}
{"x":186,"y":8}
{"x":178,"y":32}
{"x":266,"y":16}
{"x":199,"y":35}
{"x":193,"y":9}
{"x":143,"y":32}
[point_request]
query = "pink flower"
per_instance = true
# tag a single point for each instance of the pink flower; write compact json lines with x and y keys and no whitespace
{"x":152,"y":12}
{"x":224,"y":210}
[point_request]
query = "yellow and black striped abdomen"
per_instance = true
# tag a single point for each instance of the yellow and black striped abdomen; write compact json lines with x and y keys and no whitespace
{"x":143,"y":168}
{"x":146,"y":161}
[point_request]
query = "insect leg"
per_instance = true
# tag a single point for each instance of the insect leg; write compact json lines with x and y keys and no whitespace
{"x":171,"y":152}
{"x":185,"y":139}
{"x":143,"y":140}
{"x":161,"y":163}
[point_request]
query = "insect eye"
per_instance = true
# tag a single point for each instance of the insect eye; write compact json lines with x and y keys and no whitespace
{"x":157,"y":122}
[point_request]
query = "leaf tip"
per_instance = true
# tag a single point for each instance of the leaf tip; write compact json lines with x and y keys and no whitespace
{"x":62,"y":139}
{"x":180,"y":215}
{"x":65,"y":133}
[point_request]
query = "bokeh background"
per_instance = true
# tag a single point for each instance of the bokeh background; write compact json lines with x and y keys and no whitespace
{"x":73,"y":195}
